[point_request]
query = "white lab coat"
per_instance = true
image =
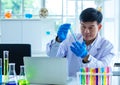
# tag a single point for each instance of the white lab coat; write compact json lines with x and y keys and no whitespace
{"x":101,"y":53}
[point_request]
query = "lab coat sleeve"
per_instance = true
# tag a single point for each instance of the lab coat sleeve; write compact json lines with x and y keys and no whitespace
{"x":56,"y":49}
{"x":95,"y":63}
{"x":52,"y":48}
{"x":105,"y":59}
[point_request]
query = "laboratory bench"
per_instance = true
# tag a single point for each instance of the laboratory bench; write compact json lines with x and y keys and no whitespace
{"x":73,"y":80}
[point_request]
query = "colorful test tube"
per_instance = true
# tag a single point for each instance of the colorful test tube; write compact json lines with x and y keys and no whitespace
{"x":92,"y":77}
{"x":87,"y":76}
{"x":105,"y":76}
{"x":96,"y":76}
{"x":82,"y":77}
{"x":102,"y":78}
{"x":99,"y":77}
{"x":107,"y":70}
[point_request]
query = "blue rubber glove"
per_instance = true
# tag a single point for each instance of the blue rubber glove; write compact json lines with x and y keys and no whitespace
{"x":79,"y":49}
{"x":62,"y":31}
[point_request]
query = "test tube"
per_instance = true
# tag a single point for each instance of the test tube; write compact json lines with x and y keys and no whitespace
{"x":73,"y":34}
{"x":6,"y":57}
{"x":0,"y":70}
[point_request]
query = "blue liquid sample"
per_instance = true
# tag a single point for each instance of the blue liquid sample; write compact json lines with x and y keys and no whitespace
{"x":11,"y":84}
{"x":48,"y":32}
{"x":0,"y":74}
{"x":28,"y":16}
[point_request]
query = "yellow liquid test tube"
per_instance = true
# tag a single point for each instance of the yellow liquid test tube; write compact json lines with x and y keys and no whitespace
{"x":6,"y":60}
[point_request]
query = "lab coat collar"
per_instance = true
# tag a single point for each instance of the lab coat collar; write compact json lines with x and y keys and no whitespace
{"x":97,"y":41}
{"x":95,"y":45}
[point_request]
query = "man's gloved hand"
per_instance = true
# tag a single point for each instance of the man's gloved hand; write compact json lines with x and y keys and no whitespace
{"x":79,"y":49}
{"x":63,"y":30}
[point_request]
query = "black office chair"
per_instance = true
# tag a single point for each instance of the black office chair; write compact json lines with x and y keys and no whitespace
{"x":16,"y":54}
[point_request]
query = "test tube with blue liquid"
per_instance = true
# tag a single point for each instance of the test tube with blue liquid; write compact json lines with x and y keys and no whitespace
{"x":6,"y":60}
{"x":73,"y":34}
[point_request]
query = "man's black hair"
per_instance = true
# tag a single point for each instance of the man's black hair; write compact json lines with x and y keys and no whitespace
{"x":90,"y":15}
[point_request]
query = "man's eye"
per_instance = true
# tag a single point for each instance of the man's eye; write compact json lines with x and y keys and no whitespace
{"x":91,"y":27}
{"x":83,"y":26}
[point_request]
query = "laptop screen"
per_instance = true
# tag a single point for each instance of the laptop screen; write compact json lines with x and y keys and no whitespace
{"x":46,"y":70}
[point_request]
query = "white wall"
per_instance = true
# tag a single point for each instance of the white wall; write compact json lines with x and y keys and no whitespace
{"x":28,"y":31}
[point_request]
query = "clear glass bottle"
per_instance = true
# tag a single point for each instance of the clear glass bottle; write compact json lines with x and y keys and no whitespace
{"x":6,"y":61}
{"x":12,"y":77}
{"x":22,"y":77}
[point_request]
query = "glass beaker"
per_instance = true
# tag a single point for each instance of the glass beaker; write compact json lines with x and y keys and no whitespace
{"x":22,"y":78}
{"x":28,"y":13}
{"x":12,"y":78}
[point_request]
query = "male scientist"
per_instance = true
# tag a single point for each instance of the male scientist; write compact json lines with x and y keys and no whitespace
{"x":86,"y":49}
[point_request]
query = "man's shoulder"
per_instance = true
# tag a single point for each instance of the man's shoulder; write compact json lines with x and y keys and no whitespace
{"x":102,"y":42}
{"x":105,"y":42}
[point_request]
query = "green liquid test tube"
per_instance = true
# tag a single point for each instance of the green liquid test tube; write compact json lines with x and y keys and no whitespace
{"x":6,"y":57}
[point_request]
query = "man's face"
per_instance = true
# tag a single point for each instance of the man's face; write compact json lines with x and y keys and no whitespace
{"x":90,"y":30}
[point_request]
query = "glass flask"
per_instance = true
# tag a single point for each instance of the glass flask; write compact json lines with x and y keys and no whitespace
{"x":22,"y":78}
{"x":12,"y":78}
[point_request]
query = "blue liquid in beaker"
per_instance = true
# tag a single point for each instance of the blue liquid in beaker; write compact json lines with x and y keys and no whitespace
{"x":11,"y":84}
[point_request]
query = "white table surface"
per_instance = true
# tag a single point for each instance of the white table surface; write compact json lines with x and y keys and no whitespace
{"x":73,"y":80}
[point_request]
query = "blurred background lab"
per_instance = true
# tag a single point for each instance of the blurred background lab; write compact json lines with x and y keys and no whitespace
{"x":36,"y":22}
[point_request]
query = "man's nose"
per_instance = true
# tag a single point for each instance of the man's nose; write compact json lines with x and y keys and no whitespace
{"x":86,"y":30}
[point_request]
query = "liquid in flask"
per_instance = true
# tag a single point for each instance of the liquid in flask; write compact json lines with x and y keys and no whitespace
{"x":22,"y":77}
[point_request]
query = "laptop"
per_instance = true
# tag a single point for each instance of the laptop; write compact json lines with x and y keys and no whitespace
{"x":46,"y":70}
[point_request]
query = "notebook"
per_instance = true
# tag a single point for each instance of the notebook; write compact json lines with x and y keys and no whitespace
{"x":46,"y":70}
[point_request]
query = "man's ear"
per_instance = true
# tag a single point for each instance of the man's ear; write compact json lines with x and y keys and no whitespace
{"x":99,"y":26}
